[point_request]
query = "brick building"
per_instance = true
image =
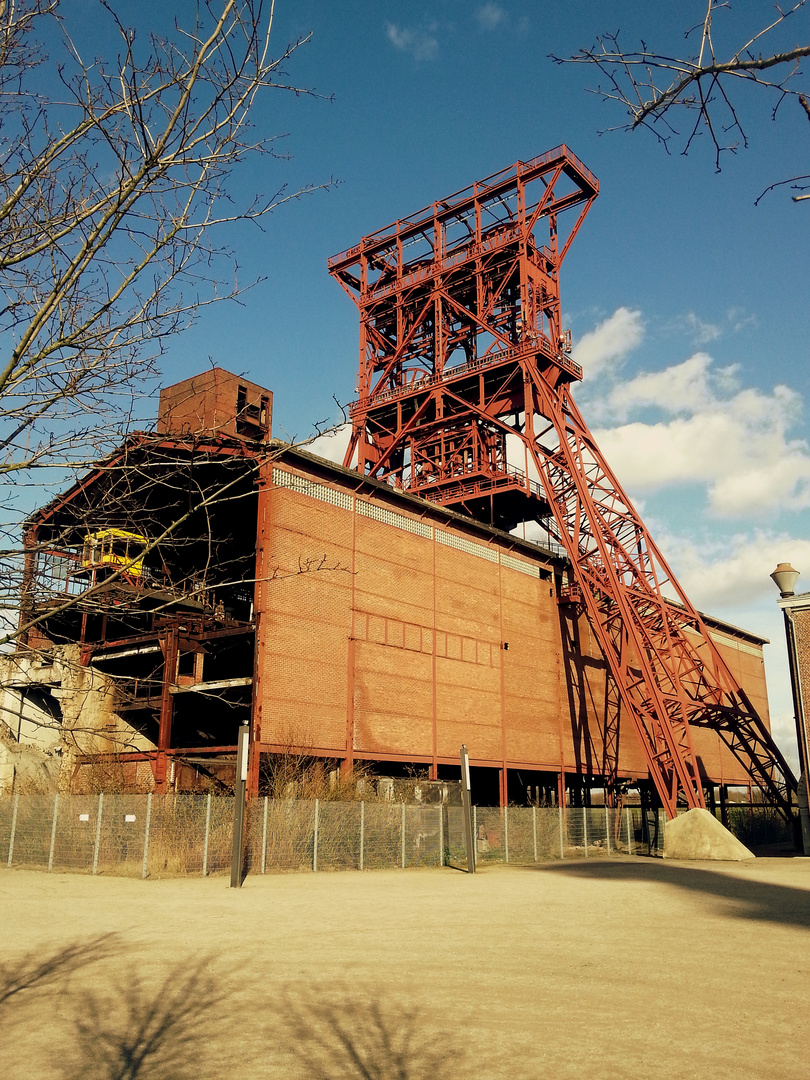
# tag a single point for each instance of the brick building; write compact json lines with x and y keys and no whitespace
{"x":796,"y":609}
{"x":341,"y":617}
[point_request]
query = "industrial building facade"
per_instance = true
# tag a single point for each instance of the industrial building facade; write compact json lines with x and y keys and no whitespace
{"x":428,"y":631}
{"x":342,"y":618}
{"x":385,"y":611}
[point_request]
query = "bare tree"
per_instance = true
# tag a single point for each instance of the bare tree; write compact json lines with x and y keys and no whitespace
{"x":114,"y":189}
{"x":655,"y":88}
{"x":112,"y":181}
{"x":116,"y":208}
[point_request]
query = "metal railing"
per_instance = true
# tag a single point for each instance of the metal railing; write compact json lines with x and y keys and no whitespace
{"x":457,"y":486}
{"x":534,"y":344}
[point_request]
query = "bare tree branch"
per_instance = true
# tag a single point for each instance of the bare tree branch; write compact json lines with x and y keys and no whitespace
{"x":109,"y":198}
{"x":655,"y":87}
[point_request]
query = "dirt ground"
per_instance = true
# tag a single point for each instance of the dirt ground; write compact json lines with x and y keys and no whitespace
{"x":622,"y":968}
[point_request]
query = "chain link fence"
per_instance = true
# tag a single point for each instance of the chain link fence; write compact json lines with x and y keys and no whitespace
{"x":317,"y":835}
{"x":173,"y":835}
{"x":533,"y":834}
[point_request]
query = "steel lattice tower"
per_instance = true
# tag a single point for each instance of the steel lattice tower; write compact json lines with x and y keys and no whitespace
{"x":461,"y":347}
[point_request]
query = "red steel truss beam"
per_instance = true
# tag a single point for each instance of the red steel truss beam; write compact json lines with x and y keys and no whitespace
{"x":452,"y":297}
{"x":669,"y":672}
{"x":461,"y":345}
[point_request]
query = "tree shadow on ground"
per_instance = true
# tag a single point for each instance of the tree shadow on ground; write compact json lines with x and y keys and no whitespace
{"x":33,"y":973}
{"x":116,"y":1026}
{"x":163,"y":1031}
{"x":747,"y":897}
{"x":342,"y":1033}
{"x":193,"y":1020}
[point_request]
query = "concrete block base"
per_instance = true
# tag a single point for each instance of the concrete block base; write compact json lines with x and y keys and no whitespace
{"x":697,"y":834}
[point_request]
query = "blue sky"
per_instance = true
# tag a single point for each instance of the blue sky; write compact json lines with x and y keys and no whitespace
{"x":688,"y":304}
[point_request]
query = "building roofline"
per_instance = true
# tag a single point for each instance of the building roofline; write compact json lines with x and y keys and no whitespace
{"x":798,"y":600}
{"x":278,"y":449}
{"x":423,"y":507}
{"x":146,"y":440}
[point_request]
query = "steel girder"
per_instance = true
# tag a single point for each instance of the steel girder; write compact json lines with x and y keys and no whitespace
{"x":668,"y":669}
{"x":461,"y":346}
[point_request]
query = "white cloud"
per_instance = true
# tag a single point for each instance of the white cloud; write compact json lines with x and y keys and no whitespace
{"x":421,"y":44}
{"x":683,"y":387}
{"x":735,"y":572}
{"x":490,"y":15}
{"x":702,"y":332}
{"x":735,"y":441}
{"x":332,"y":445}
{"x":739,"y":319}
{"x":612,"y":340}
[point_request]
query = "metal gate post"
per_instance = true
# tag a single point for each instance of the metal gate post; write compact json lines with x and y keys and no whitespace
{"x":403,"y":836}
{"x":264,"y":836}
{"x":13,"y":828}
{"x":441,"y":835}
{"x":585,"y":828}
{"x":470,"y":818}
{"x":362,"y":835}
{"x":562,"y":839}
{"x":207,"y":834}
{"x":146,"y":833}
{"x":239,"y":802}
{"x":53,"y":830}
{"x":607,"y":828}
{"x":506,"y":832}
{"x":98,"y":832}
{"x":315,"y":841}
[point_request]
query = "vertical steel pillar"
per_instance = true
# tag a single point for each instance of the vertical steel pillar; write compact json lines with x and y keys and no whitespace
{"x":466,"y":803}
{"x":240,"y":789}
{"x":169,"y":647}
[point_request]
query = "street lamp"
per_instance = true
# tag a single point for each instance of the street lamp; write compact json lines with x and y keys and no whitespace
{"x":784,"y":577}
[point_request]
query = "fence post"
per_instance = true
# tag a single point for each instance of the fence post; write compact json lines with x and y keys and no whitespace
{"x":146,"y":833}
{"x":562,"y":838}
{"x":98,"y":832}
{"x":53,"y":830}
{"x":13,"y":829}
{"x":506,"y":832}
{"x":629,"y":831}
{"x":441,"y":834}
{"x":585,"y":828}
{"x":362,"y":833}
{"x":403,"y":836}
{"x":264,"y":836}
{"x":240,"y":808}
{"x":607,"y":828}
{"x":534,"y":831}
{"x":207,"y":834}
{"x":315,"y":841}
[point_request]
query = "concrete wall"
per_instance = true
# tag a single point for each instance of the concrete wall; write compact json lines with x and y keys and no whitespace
{"x":54,"y":711}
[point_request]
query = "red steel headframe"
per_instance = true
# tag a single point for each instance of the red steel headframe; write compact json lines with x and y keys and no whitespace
{"x":461,"y":346}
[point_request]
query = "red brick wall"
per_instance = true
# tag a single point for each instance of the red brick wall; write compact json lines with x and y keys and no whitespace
{"x":208,"y":403}
{"x":801,"y":623}
{"x":379,"y":642}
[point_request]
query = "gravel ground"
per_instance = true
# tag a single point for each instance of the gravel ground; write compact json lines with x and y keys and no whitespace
{"x":621,"y":968}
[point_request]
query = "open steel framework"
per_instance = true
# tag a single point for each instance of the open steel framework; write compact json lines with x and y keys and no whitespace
{"x":461,"y":347}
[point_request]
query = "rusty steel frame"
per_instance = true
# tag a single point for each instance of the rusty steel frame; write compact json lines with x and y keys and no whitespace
{"x":463,"y":280}
{"x":461,"y":346}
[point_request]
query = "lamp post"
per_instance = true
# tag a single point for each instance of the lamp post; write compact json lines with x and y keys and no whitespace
{"x":784,"y":577}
